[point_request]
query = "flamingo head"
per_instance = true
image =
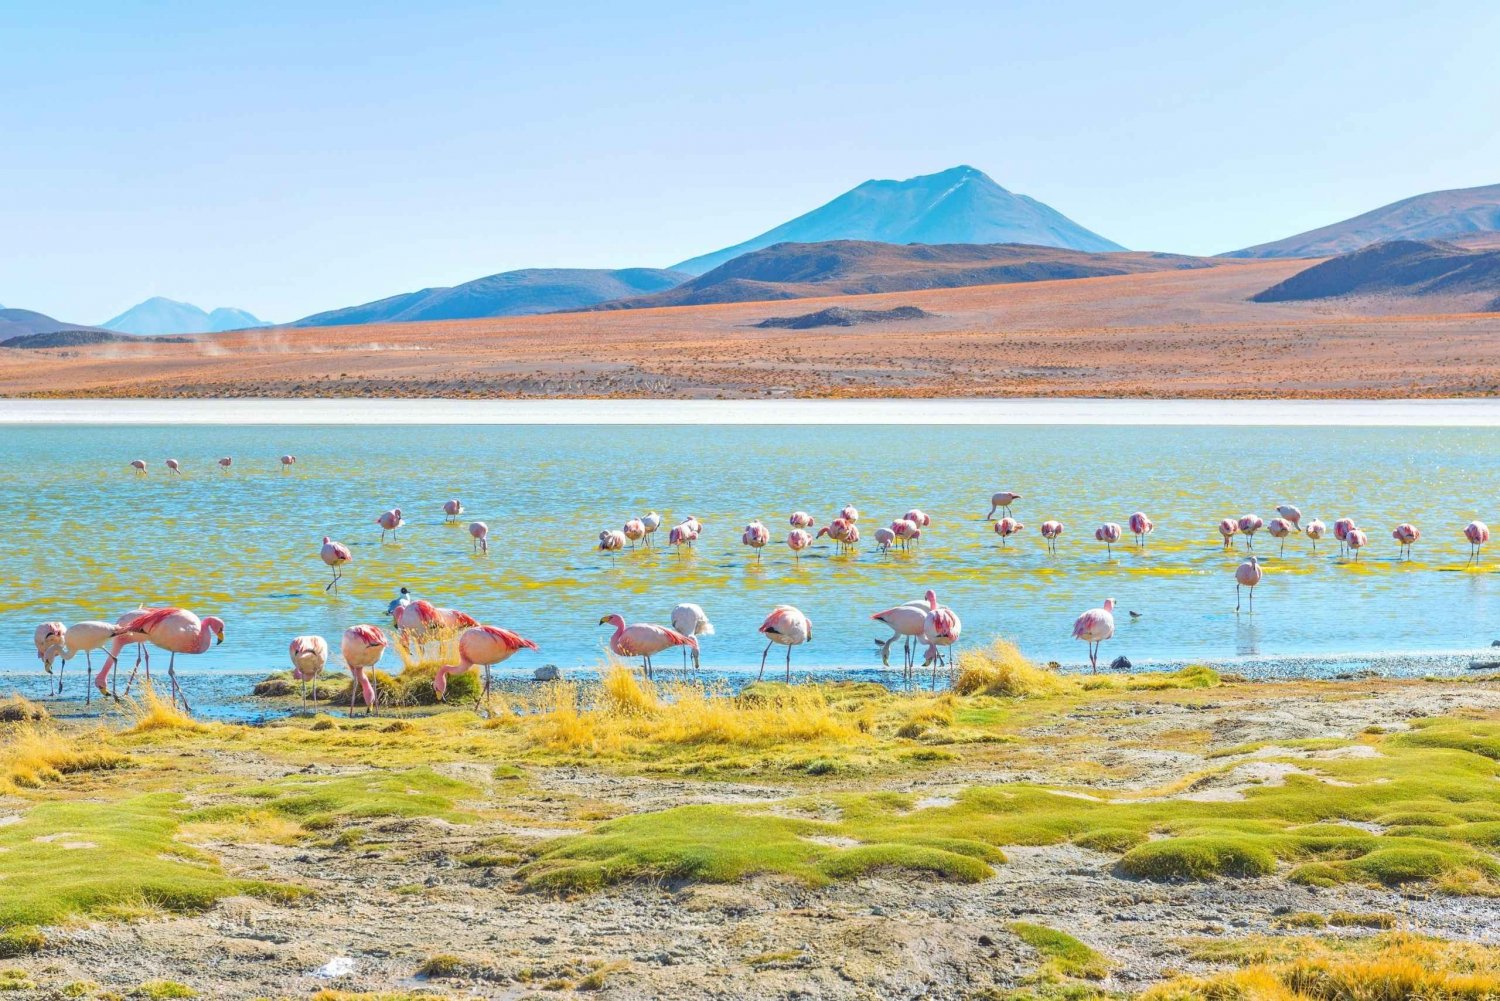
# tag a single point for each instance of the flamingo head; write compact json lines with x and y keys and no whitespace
{"x":1109,"y":604}
{"x":326,"y":540}
{"x":216,"y":625}
{"x":931,"y":598}
{"x":612,"y":619}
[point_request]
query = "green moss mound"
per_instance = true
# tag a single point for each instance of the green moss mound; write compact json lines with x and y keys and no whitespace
{"x":1176,"y":859}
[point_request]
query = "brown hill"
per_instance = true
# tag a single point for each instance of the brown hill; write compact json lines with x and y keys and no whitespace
{"x":861,"y":267}
{"x":1444,"y":276}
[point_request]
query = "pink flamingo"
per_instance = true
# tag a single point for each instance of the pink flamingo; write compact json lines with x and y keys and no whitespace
{"x":611,"y":541}
{"x":335,"y":554}
{"x":1006,"y":527}
{"x":1478,"y":533}
{"x":884,"y":538}
{"x":452,"y":509}
{"x":851,"y":538}
{"x":80,"y":637}
{"x":309,"y":656}
{"x":174,"y":467}
{"x":801,"y":519}
{"x":797,"y":540}
{"x":838,"y":530}
{"x":1108,"y":533}
{"x":691,"y":620}
{"x":850,"y":513}
{"x":389,"y":521}
{"x":940,"y":628}
{"x":1005,"y":498}
{"x":682,"y":535}
{"x":1356,"y":540}
{"x":643,"y":639}
{"x":226,"y":462}
{"x":919,"y":516}
{"x":757,"y":537}
{"x":906,"y":531}
{"x":1050,"y":531}
{"x":484,"y":646}
{"x":51,"y":640}
{"x":420,"y":618}
{"x":635,"y":531}
{"x":906,"y":623}
{"x":1249,"y":524}
{"x":1279,"y":529}
{"x":1247,"y":574}
{"x":1341,"y":530}
{"x":652,"y":521}
{"x":1314,"y":531}
{"x":480,"y":533}
{"x":142,"y":655}
{"x":694,"y":524}
{"x":1094,"y":627}
{"x":1141,"y":526}
{"x":1291,"y":514}
{"x":1227,"y":528}
{"x":287,"y":462}
{"x":139,"y":465}
{"x":362,"y":647}
{"x":1405,"y":534}
{"x":789,"y":627}
{"x":175,"y":630}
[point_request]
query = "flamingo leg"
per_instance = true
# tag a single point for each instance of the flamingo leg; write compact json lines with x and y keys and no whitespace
{"x":1236,"y":597}
{"x":353,"y":687}
{"x":789,"y":664}
{"x":764,"y":653}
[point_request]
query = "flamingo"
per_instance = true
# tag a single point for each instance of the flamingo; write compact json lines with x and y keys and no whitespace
{"x":1249,"y":524}
{"x":1314,"y":531}
{"x":611,"y":541}
{"x":484,"y":646}
{"x":940,"y":628}
{"x":800,"y":519}
{"x":1279,"y":528}
{"x":906,"y":531}
{"x":452,"y":509}
{"x":226,"y":462}
{"x":362,"y":647}
{"x":84,"y":638}
{"x":1108,"y":533}
{"x":1227,"y":528}
{"x":757,"y":537}
{"x":851,"y":538}
{"x":652,"y":521}
{"x":1006,"y":527}
{"x":1247,"y":574}
{"x":1050,"y":531}
{"x":389,"y":521}
{"x":174,"y":467}
{"x":309,"y":656}
{"x":789,"y":627}
{"x":420,"y":618}
{"x":643,"y":639}
{"x":682,"y":535}
{"x":906,"y":623}
{"x":480,"y":533}
{"x":1356,"y":540}
{"x":694,"y":524}
{"x":797,"y":540}
{"x":884,"y":538}
{"x":1405,"y":534}
{"x":1005,"y":498}
{"x":1341,"y":530}
{"x":335,"y":554}
{"x":175,"y":630}
{"x":919,"y":516}
{"x":139,"y":465}
{"x":287,"y":462}
{"x":1478,"y":533}
{"x":1094,"y":627}
{"x":691,"y":620}
{"x":51,"y":641}
{"x":142,"y":655}
{"x":1291,"y":514}
{"x":635,"y":531}
{"x":1141,"y":526}
{"x":850,"y":513}
{"x":838,"y":530}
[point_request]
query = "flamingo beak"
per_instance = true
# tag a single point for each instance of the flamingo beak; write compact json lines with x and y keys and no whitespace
{"x":603,"y":620}
{"x":220,"y":639}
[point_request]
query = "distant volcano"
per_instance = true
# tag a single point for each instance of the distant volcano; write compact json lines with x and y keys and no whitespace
{"x":168,"y":316}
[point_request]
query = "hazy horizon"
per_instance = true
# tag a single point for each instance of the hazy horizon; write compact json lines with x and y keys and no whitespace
{"x":286,"y":161}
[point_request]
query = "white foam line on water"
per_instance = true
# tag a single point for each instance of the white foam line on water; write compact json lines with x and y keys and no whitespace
{"x":1369,"y":413}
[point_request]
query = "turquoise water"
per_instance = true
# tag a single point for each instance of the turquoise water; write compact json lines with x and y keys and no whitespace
{"x":87,"y":538}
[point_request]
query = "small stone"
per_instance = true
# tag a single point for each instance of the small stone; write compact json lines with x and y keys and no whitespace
{"x":1121,"y":663}
{"x":986,"y":940}
{"x":547,"y":672}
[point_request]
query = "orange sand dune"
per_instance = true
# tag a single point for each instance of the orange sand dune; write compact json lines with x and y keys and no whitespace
{"x":1163,"y":334}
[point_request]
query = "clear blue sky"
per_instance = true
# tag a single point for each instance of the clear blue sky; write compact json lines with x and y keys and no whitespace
{"x":290,"y":157}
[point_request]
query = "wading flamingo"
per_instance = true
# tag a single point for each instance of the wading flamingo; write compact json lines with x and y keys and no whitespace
{"x":1006,"y":527}
{"x":838,"y":530}
{"x":174,"y":467}
{"x":851,"y":538}
{"x":1405,"y":534}
{"x":175,"y":630}
{"x":789,"y":627}
{"x":1227,"y":528}
{"x":918,"y":516}
{"x":287,"y":462}
{"x":389,"y":521}
{"x":1249,"y":524}
{"x":139,"y":465}
{"x":1050,"y":531}
{"x":850,"y":513}
{"x":611,"y":541}
{"x":1314,"y":531}
{"x":1341,"y":530}
{"x":691,"y":620}
{"x":226,"y":462}
{"x":362,"y":647}
{"x":1141,"y":526}
{"x":643,"y":639}
{"x":1247,"y":574}
{"x":1478,"y":533}
{"x":635,"y":531}
{"x":652,"y":521}
{"x":797,"y":540}
{"x":884,"y":537}
{"x":906,"y":623}
{"x":694,"y":524}
{"x":1005,"y":498}
{"x":800,"y":519}
{"x":757,"y":537}
{"x":335,"y":554}
{"x":906,"y":531}
{"x":1094,"y":627}
{"x":419,"y":621}
{"x":480,"y":533}
{"x":452,"y":509}
{"x":1109,"y":533}
{"x":51,"y":640}
{"x":309,"y":656}
{"x":1292,"y":515}
{"x":940,"y":628}
{"x":1279,"y":529}
{"x":482,"y":646}
{"x":682,"y":535}
{"x":84,"y":638}
{"x":1356,"y":540}
{"x":142,"y":655}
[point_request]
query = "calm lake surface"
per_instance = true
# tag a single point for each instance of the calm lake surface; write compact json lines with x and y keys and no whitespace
{"x":87,"y":538}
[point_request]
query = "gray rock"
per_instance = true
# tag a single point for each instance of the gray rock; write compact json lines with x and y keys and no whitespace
{"x":547,"y":672}
{"x":1121,"y":663}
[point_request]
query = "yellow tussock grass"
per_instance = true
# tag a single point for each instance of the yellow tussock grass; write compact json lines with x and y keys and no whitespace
{"x":1003,"y":670}
{"x":33,"y":755}
{"x":151,"y":713}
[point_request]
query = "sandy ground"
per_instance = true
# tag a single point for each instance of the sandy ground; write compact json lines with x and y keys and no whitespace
{"x":882,"y":937}
{"x":1164,"y":334}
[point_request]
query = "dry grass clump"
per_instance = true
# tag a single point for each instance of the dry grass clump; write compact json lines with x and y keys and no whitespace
{"x":152,"y":714}
{"x":20,"y":710}
{"x":33,"y":754}
{"x":1003,"y":670}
